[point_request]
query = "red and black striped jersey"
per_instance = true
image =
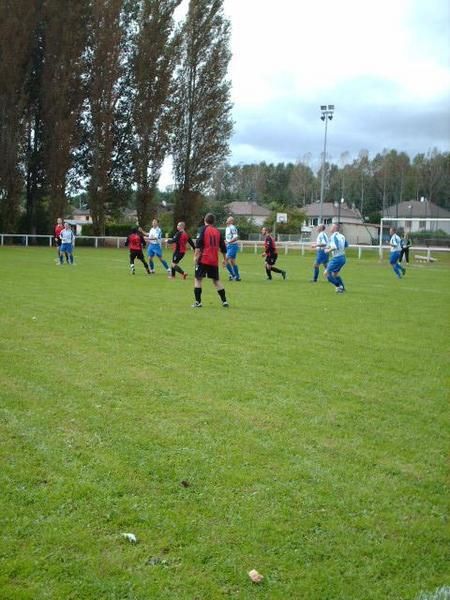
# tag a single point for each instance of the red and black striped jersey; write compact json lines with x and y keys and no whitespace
{"x":270,"y":248}
{"x":210,"y":242}
{"x":135,"y":241}
{"x":181,"y":239}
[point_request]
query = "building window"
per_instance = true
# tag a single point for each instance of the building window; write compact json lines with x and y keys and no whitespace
{"x":422,"y":224}
{"x":328,"y":221}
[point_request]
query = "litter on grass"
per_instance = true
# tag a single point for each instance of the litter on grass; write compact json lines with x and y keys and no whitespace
{"x":255,"y":576}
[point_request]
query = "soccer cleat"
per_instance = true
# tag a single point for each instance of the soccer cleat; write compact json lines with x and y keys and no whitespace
{"x":197,"y":305}
{"x":230,"y":278}
{"x":225,"y":304}
{"x":284,"y":275}
{"x":340,"y":290}
{"x":184,"y":276}
{"x":403,"y":271}
{"x":238,"y":279}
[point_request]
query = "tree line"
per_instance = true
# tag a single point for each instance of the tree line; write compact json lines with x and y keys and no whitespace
{"x":371,"y":184}
{"x":95,"y":94}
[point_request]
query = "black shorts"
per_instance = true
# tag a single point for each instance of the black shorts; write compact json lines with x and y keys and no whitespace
{"x":272,"y":259}
{"x":58,"y":242}
{"x":206,"y":271}
{"x":177,"y":256}
{"x":136,"y":254}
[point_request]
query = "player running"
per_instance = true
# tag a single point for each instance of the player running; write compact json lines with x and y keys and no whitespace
{"x":180,"y":239}
{"x":209,"y":242}
{"x":321,"y":256}
{"x":396,"y":249}
{"x":270,"y":254}
{"x":154,"y":239}
{"x":231,"y":240}
{"x":337,"y":245}
{"x":136,"y":243}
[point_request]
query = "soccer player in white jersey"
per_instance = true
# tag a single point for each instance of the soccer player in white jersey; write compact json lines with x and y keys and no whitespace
{"x":396,"y":248}
{"x":231,"y":241}
{"x":336,"y":245}
{"x":67,"y":241}
{"x":154,"y":239}
{"x":321,"y":256}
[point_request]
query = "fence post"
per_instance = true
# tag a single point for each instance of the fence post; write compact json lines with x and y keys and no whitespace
{"x":49,"y":241}
{"x":2,"y":239}
{"x":96,"y":242}
{"x":428,"y":254}
{"x":256,"y":247}
{"x":303,"y":249}
{"x":285,"y":248}
{"x":359,"y":252}
{"x":26,"y":241}
{"x":118,"y":243}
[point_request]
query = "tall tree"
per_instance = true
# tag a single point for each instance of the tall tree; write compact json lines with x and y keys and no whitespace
{"x":62,"y":93}
{"x":153,"y":65}
{"x":102,"y":114}
{"x":203,"y":108}
{"x":34,"y":127}
{"x":17,"y":24}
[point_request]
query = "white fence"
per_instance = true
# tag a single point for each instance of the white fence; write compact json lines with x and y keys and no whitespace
{"x":257,"y":246}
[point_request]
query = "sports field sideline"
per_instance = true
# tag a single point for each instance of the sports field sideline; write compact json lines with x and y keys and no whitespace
{"x":301,"y":433}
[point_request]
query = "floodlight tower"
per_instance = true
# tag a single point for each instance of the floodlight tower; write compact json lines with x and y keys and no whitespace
{"x":327,"y":114}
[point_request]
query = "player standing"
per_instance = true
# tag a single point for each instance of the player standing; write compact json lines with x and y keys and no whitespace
{"x":180,"y":239}
{"x":321,"y":256}
{"x":396,"y":249}
{"x":209,"y":243}
{"x":67,"y":242}
{"x":58,"y":228}
{"x":270,"y":254}
{"x":336,"y":245}
{"x":231,"y":240}
{"x":135,"y":243}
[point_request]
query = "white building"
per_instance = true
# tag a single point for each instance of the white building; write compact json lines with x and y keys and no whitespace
{"x":414,"y":216}
{"x":353,"y":226}
{"x":249,"y":210}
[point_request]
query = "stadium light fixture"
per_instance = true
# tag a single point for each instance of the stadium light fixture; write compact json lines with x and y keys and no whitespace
{"x":327,"y":115}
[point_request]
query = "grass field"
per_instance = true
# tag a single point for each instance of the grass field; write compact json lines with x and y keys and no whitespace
{"x":300,"y":432}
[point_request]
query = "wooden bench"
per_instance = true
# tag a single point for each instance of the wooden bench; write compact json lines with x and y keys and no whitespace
{"x":424,"y":259}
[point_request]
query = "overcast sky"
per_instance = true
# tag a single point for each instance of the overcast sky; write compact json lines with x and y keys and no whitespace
{"x":385,"y":66}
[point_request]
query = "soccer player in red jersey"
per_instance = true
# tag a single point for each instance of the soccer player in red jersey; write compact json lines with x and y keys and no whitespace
{"x":209,"y":243}
{"x":180,"y":239}
{"x":58,"y":228}
{"x":270,"y":254}
{"x":135,"y":242}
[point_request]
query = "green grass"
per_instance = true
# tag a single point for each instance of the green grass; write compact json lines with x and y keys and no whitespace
{"x":311,"y":430}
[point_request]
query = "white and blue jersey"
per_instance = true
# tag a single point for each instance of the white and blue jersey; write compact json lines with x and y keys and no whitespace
{"x":321,"y":243}
{"x":67,"y":239}
{"x":337,"y":244}
{"x":396,"y":247}
{"x":231,"y":239}
{"x":395,"y":243}
{"x":155,"y":239}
